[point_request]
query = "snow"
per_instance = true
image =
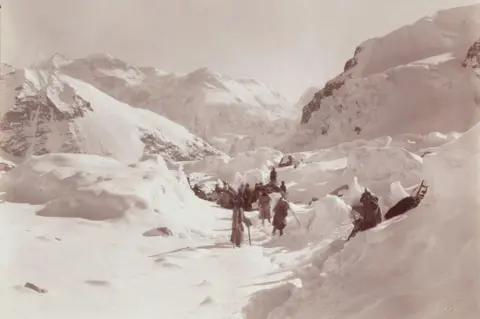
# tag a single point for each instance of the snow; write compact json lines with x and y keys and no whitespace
{"x":123,"y":236}
{"x":213,"y":106}
{"x":103,"y":126}
{"x":410,"y":81}
{"x":421,"y":265}
{"x":85,"y":228}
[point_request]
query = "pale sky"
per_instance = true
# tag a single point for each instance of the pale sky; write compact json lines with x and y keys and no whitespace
{"x":288,"y":44}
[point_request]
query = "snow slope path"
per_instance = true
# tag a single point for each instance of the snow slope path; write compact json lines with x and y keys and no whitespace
{"x":86,"y":229}
{"x":94,"y":232}
{"x":421,"y":265}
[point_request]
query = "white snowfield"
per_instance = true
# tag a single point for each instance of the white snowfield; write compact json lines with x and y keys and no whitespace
{"x":408,"y":81}
{"x":86,"y":229}
{"x":232,"y":114}
{"x":117,"y":233}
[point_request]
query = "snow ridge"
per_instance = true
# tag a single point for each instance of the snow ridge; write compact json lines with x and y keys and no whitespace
{"x":395,"y":84}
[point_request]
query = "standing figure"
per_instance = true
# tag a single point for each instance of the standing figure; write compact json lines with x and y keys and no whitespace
{"x":248,"y":195}
{"x":238,"y":219}
{"x":280,"y":215}
{"x":273,"y":176}
{"x":264,"y":207}
{"x":283,"y":187}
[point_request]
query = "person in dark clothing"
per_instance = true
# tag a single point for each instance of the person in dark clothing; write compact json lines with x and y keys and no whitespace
{"x":247,"y":195}
{"x":238,"y":219}
{"x":273,"y":176}
{"x":280,"y":215}
{"x":264,"y":207}
{"x":256,"y":193}
{"x":369,"y":213}
{"x":283,"y":187}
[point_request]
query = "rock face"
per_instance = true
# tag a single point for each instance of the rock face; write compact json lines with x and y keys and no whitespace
{"x":324,"y":93}
{"x":472,"y":59}
{"x":408,"y":81}
{"x":47,"y":112}
{"x":27,"y":125}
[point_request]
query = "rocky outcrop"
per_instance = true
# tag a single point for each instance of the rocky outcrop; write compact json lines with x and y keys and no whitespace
{"x":314,"y":105}
{"x":472,"y":59}
{"x":155,"y":144}
{"x":353,"y":61}
{"x":329,"y":88}
{"x":27,"y":125}
{"x":5,"y":166}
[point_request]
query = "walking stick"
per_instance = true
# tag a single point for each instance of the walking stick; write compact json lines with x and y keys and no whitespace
{"x":249,"y":238}
{"x":294,"y":215}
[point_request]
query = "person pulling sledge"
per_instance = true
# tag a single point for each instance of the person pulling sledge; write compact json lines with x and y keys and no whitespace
{"x":264,"y":207}
{"x":280,"y":215}
{"x":369,"y":213}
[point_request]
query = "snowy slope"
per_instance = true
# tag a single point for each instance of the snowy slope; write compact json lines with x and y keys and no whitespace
{"x":85,"y":228}
{"x":420,"y":265}
{"x":412,"y":80}
{"x":50,"y":112}
{"x":222,"y":110}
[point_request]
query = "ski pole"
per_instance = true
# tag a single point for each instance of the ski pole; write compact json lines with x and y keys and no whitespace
{"x":295,"y":215}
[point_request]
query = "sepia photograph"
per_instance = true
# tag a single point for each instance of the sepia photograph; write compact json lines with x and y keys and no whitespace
{"x":240,"y":159}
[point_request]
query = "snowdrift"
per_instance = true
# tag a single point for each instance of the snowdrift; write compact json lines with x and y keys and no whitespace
{"x":409,"y":81}
{"x":246,"y":167}
{"x":102,"y":189}
{"x":50,"y":112}
{"x":420,"y":265}
{"x":225,"y":112}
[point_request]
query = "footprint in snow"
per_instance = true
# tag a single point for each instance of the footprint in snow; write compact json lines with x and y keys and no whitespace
{"x":165,"y":262}
{"x":97,"y":283}
{"x":204,"y":283}
{"x":208,"y":300}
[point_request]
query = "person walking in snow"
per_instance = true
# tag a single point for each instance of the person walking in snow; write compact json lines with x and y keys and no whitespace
{"x":283,"y":187}
{"x":238,"y":219}
{"x":280,"y":214}
{"x":264,"y":207}
{"x":273,"y":176}
{"x":248,"y":195}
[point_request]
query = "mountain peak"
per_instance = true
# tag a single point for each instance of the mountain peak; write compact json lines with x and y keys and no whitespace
{"x":204,"y":72}
{"x":55,"y":61}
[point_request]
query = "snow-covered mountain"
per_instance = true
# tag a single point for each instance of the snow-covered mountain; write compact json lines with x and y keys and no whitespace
{"x":45,"y":112}
{"x":413,"y":80}
{"x":232,"y":114}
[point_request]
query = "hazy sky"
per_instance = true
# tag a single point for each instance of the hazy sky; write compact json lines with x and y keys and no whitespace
{"x":288,"y":44}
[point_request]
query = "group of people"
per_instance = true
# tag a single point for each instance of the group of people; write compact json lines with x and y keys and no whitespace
{"x":368,"y":213}
{"x":280,"y":213}
{"x":243,"y":200}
